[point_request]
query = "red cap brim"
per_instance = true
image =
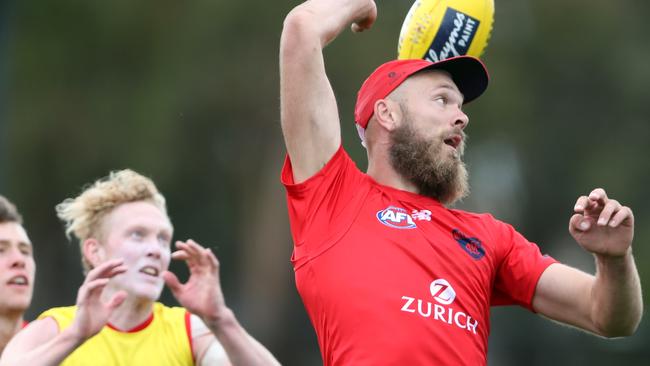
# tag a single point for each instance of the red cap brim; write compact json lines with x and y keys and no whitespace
{"x":468,"y":73}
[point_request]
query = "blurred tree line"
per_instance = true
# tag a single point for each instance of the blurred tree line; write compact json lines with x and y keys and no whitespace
{"x":186,"y":92}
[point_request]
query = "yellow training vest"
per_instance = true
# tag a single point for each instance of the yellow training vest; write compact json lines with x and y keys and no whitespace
{"x":164,"y":341}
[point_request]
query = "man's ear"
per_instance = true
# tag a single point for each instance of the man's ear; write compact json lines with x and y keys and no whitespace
{"x":93,"y":252}
{"x":388,"y":114}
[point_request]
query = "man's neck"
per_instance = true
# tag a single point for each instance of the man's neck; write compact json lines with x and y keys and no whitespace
{"x":131,"y":313}
{"x":10,"y":324}
{"x":380,"y":169}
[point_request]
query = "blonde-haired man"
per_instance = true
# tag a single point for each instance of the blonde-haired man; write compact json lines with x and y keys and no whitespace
{"x":125,"y":234}
{"x":17,"y":271}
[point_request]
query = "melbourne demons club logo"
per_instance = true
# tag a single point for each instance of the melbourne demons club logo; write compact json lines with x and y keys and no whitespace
{"x":472,"y":246}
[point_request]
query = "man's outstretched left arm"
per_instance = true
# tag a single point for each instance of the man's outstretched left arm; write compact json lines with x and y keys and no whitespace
{"x":608,"y":303}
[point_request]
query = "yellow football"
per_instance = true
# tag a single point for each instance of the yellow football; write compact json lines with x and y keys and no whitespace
{"x":438,"y":29}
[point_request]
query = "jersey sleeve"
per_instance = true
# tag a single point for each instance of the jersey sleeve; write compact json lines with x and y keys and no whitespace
{"x":519,"y":270}
{"x":321,"y":207}
{"x":63,"y":316}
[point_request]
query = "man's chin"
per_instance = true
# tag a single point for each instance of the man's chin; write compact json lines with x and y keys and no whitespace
{"x":454,"y":155}
{"x":148,"y":292}
{"x":16,"y":304}
{"x":449,"y":190}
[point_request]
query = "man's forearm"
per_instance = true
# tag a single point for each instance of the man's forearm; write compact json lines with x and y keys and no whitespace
{"x":241,"y":348}
{"x":51,"y":353}
{"x":617,"y":305}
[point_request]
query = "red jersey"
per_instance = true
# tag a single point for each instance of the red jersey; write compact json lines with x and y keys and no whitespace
{"x":390,"y":277}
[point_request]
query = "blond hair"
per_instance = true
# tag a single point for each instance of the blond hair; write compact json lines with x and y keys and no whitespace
{"x":83,"y":215}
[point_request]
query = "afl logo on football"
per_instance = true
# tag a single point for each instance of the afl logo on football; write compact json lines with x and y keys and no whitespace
{"x":395,"y":217}
{"x":442,"y":291}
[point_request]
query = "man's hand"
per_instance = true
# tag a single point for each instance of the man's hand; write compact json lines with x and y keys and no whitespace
{"x":330,"y":17}
{"x":367,"y":18}
{"x":201,"y":294}
{"x":93,"y":313}
{"x":602,"y":225}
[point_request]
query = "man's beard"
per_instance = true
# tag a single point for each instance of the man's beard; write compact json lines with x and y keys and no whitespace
{"x":426,"y":165}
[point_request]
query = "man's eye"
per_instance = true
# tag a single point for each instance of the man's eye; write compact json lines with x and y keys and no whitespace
{"x":137,"y":234}
{"x":164,"y":239}
{"x":441,"y":100}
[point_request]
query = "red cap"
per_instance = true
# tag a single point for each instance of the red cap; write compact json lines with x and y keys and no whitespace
{"x":468,"y":73}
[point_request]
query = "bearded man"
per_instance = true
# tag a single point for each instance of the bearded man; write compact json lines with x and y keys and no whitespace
{"x":388,"y":273}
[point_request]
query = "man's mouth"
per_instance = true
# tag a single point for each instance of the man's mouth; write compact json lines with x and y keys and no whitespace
{"x":151,"y":271}
{"x":19,"y":280}
{"x":454,"y":141}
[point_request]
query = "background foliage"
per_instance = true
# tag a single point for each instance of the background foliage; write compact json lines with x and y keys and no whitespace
{"x":187,"y":93}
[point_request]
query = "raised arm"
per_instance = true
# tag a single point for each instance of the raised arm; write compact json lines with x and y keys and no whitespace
{"x":608,"y":304}
{"x":309,"y":114}
{"x":225,"y":341}
{"x":42,"y":342}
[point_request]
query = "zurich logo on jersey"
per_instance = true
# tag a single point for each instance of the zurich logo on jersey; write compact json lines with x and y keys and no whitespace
{"x":395,"y":217}
{"x":442,"y":291}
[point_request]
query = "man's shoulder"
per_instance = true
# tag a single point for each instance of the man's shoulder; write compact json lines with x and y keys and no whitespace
{"x":63,"y":316}
{"x":472,"y":215}
{"x":476,"y":218}
{"x":339,"y":160}
{"x":61,"y":311}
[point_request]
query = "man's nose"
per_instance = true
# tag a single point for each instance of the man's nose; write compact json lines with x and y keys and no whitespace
{"x":154,"y":249}
{"x":462,"y":120}
{"x":17,"y":259}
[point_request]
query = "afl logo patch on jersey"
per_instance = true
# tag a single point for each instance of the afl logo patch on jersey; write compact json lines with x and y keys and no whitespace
{"x":395,"y":217}
{"x":472,"y":246}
